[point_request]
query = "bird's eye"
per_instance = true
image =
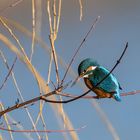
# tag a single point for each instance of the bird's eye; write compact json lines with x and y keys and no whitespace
{"x":84,"y":71}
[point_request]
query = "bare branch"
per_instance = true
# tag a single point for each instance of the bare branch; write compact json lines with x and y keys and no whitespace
{"x":59,"y":15}
{"x":7,"y":122}
{"x":55,"y":59}
{"x":19,"y":105}
{"x":10,"y":70}
{"x":95,"y":97}
{"x":130,"y":93}
{"x":76,"y":52}
{"x":81,"y":9}
{"x":42,"y":131}
{"x":33,"y":29}
{"x":11,"y":5}
{"x":53,"y":35}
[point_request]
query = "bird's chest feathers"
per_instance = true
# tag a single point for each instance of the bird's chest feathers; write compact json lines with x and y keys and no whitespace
{"x":99,"y":92}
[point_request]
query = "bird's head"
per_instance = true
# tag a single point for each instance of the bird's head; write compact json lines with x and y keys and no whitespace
{"x":86,"y":67}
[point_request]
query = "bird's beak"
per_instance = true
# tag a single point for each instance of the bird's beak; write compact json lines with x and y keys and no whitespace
{"x":75,"y":81}
{"x":83,"y":75}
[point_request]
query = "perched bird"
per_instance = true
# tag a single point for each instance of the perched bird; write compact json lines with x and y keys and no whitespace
{"x":93,"y":73}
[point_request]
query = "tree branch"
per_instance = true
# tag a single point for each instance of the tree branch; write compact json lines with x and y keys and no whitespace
{"x":79,"y":47}
{"x":10,"y":70}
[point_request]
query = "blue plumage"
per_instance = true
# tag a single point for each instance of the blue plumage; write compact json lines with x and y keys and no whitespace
{"x":93,"y":73}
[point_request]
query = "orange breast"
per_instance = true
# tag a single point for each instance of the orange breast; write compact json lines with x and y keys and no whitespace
{"x":100,"y":93}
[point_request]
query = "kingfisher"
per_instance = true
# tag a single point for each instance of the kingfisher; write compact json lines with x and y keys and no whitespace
{"x":93,"y":73}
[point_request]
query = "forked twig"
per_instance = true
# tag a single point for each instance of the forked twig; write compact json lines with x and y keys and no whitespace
{"x":92,"y":27}
{"x":55,"y":58}
{"x":53,"y":34}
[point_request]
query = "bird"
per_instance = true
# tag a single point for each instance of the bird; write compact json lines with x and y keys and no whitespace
{"x":93,"y":73}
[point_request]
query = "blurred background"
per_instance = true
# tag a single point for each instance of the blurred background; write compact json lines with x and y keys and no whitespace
{"x":119,"y":23}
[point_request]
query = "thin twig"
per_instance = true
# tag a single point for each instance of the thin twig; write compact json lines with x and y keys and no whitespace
{"x":53,"y":37}
{"x":10,"y":70}
{"x":11,"y":5}
{"x":19,"y":127}
{"x":55,"y":59}
{"x":33,"y":29}
{"x":92,"y":27}
{"x":130,"y":93}
{"x":7,"y":123}
{"x":81,"y":9}
{"x":14,"y":37}
{"x":41,"y":131}
{"x":95,"y":97}
{"x":49,"y":15}
{"x":54,"y":17}
{"x":59,"y":15}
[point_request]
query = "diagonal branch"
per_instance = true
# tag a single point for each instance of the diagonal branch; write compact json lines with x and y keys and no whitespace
{"x":55,"y":58}
{"x":19,"y":105}
{"x":33,"y":29}
{"x":10,"y":70}
{"x":92,"y":27}
{"x":10,"y":6}
{"x":81,"y":10}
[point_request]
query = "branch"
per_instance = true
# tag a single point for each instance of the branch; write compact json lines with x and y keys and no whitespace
{"x":95,"y":97}
{"x":10,"y":70}
{"x":92,"y":27}
{"x":10,"y":6}
{"x":130,"y":93}
{"x":19,"y":105}
{"x":81,"y":10}
{"x":33,"y":29}
{"x":55,"y":58}
{"x":41,"y":131}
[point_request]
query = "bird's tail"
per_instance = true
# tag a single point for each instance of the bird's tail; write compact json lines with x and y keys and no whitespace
{"x":117,"y":97}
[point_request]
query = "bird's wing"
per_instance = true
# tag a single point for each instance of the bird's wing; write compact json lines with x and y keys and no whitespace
{"x":118,"y":83}
{"x":110,"y":84}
